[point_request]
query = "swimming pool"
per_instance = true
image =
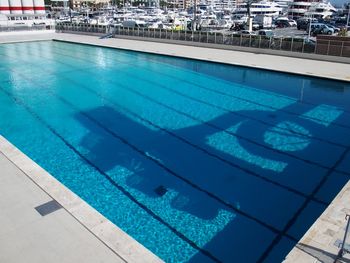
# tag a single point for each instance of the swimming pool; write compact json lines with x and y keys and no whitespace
{"x":197,"y":161}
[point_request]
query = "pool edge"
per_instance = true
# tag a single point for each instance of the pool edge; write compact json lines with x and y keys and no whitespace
{"x":319,"y":242}
{"x":103,"y":229}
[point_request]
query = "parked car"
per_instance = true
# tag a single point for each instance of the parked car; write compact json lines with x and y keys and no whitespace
{"x":292,"y":22}
{"x":302,"y":23}
{"x":319,"y":28}
{"x":336,"y":29}
{"x":282,"y":23}
{"x":285,"y":22}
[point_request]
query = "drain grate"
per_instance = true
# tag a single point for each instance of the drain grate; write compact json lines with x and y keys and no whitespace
{"x":160,"y":190}
{"x":48,"y":208}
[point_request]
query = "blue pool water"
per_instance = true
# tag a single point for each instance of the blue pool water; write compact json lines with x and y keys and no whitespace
{"x":199,"y":162}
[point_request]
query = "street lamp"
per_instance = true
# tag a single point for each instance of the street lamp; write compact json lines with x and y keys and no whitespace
{"x":347,"y":21}
{"x":194,"y":22}
{"x":310,"y":21}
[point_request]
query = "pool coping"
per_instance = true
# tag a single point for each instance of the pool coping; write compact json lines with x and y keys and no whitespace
{"x":103,"y":229}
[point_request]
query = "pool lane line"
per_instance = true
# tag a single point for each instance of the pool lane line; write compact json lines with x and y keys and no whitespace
{"x":219,"y":107}
{"x":228,"y":132}
{"x":252,"y":173}
{"x":20,"y":102}
{"x":214,"y":90}
{"x":229,"y":110}
{"x":301,"y":209}
{"x":225,"y":203}
{"x":205,"y":151}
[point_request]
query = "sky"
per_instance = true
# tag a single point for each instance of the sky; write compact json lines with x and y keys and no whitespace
{"x":339,"y":3}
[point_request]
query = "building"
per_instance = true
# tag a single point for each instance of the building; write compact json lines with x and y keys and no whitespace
{"x":18,"y":7}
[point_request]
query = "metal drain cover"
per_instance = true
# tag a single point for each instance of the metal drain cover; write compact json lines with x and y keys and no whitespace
{"x":48,"y":208}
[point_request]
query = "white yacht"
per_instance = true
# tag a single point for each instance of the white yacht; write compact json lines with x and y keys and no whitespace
{"x":314,"y":8}
{"x":259,"y":8}
{"x":321,"y":10}
{"x":284,"y":4}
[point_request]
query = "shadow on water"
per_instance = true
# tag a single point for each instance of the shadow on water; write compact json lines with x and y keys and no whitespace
{"x":146,"y":177}
{"x":110,"y":155}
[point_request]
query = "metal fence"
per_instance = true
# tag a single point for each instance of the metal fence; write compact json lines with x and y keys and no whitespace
{"x":329,"y":47}
{"x":86,"y":28}
{"x":26,"y":28}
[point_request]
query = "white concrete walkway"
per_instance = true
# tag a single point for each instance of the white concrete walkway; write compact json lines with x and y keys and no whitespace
{"x":20,"y":36}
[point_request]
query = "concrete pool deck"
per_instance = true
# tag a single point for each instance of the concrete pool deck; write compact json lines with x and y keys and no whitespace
{"x":317,"y":245}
